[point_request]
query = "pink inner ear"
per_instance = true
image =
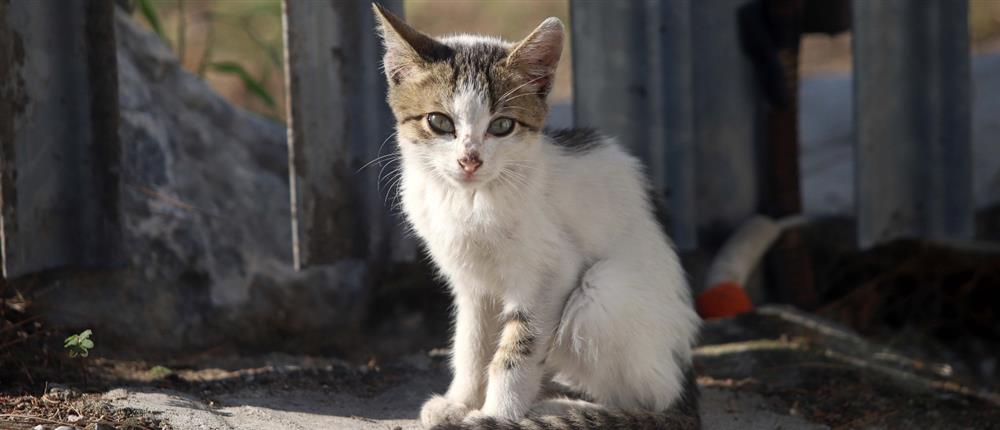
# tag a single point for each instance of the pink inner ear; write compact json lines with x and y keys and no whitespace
{"x":538,"y":59}
{"x":393,"y":68}
{"x":398,"y":63}
{"x":544,"y":83}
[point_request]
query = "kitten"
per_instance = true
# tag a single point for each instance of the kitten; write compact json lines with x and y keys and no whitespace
{"x":557,"y":265}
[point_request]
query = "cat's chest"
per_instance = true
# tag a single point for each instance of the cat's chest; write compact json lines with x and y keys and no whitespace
{"x":462,"y":226}
{"x":457,"y":225}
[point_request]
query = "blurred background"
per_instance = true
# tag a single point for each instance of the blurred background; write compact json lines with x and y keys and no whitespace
{"x":197,"y":189}
{"x":248,"y":33}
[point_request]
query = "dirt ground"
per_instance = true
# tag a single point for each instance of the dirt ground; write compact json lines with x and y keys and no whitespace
{"x":774,"y":368}
{"x":913,"y":348}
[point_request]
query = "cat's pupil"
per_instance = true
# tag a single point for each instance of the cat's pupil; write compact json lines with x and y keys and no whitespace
{"x":501,"y":127}
{"x":440,"y":123}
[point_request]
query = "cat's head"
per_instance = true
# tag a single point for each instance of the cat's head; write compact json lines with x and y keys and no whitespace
{"x":468,"y":108}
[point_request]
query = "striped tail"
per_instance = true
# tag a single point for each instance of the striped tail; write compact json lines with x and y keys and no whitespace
{"x":589,"y":419}
{"x":683,"y":415}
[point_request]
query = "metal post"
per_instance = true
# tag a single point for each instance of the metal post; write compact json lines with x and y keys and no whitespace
{"x":683,"y":100}
{"x":633,"y":80}
{"x":337,"y":121}
{"x":770,"y":32}
{"x":727,"y":113}
{"x":59,"y":148}
{"x":912,"y":107}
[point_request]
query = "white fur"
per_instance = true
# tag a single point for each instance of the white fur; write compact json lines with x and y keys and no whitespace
{"x":623,"y":329}
{"x":568,"y":239}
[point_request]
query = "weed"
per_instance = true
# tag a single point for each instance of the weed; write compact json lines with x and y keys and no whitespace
{"x":79,"y":345}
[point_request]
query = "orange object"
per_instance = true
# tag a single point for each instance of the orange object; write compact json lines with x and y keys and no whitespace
{"x":724,"y":299}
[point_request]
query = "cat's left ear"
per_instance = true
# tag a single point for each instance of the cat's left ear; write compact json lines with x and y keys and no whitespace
{"x":405,"y":48}
{"x":538,"y":54}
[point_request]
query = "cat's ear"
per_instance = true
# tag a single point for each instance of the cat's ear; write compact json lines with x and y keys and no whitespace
{"x":538,"y":54}
{"x":405,"y":47}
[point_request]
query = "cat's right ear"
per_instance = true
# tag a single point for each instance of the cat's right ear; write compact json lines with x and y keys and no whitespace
{"x":405,"y":47}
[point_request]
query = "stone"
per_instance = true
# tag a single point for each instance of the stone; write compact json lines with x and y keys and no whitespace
{"x":206,"y":212}
{"x":61,"y":393}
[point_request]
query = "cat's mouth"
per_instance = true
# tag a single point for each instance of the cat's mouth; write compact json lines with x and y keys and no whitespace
{"x":468,"y":177}
{"x":470,"y":180}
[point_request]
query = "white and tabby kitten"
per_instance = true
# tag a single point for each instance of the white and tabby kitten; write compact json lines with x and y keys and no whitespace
{"x":558,"y":267}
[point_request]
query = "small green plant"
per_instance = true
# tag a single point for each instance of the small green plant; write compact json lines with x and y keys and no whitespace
{"x":79,"y":345}
{"x":160,"y":371}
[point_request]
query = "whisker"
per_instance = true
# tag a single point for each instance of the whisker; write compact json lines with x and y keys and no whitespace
{"x":392,"y":176}
{"x":375,"y":160}
{"x":505,"y":108}
{"x":394,"y":184}
{"x":522,"y":95}
{"x":379,"y":179}
{"x":379,"y":152}
{"x":501,"y":99}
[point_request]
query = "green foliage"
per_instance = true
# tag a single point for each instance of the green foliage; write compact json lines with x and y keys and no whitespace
{"x":160,"y":371}
{"x":251,"y":59}
{"x":79,"y":345}
{"x":255,"y":87}
{"x":149,"y":12}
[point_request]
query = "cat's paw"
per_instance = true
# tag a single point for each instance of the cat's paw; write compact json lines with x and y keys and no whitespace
{"x":441,"y":410}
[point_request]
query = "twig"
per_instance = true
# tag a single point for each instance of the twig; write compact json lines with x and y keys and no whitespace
{"x":172,"y":201}
{"x":181,"y":32}
{"x":22,"y":322}
{"x":209,"y":42}
{"x":942,"y":385}
{"x":852,"y":360}
{"x":708,"y":381}
{"x":29,"y":417}
{"x":752,"y":345}
{"x":27,"y":373}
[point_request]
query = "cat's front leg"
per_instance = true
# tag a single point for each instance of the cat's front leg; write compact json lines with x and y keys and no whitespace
{"x":515,"y":373}
{"x":476,"y":327}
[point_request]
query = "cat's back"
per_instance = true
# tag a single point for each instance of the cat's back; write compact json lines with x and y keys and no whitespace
{"x":577,"y":141}
{"x":598,"y":187}
{"x":587,"y":158}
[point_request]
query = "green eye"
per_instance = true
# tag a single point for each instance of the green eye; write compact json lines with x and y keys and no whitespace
{"x":501,"y":127}
{"x":440,"y":123}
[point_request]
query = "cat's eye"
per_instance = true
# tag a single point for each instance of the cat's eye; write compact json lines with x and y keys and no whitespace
{"x":501,"y":127}
{"x":440,"y":123}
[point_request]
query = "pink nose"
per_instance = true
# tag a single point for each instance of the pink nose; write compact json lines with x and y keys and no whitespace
{"x":470,"y":163}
